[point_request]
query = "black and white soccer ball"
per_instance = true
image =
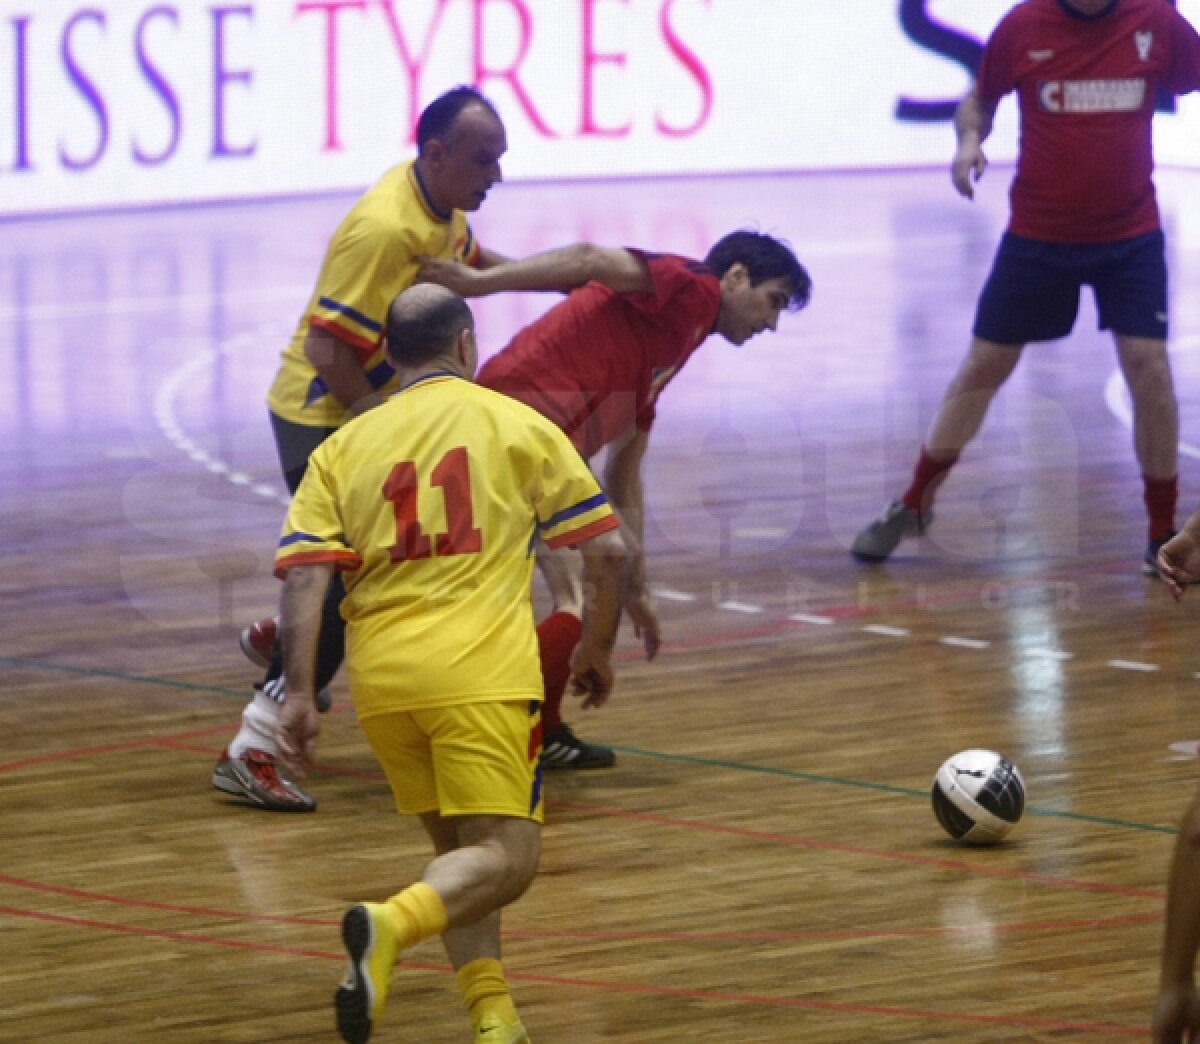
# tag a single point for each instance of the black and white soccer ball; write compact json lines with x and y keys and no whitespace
{"x":978,"y":796}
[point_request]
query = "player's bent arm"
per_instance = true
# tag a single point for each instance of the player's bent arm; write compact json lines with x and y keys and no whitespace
{"x":336,"y":363}
{"x":563,"y":269}
{"x":623,"y":487}
{"x":603,"y":571}
{"x":973,"y":119}
{"x":304,"y":589}
{"x":972,"y":124}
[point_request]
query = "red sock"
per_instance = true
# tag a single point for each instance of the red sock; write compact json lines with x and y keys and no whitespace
{"x":558,"y":635}
{"x":1160,"y":497}
{"x":927,"y":476}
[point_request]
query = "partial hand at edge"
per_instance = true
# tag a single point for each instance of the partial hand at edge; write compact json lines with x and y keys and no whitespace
{"x":1179,"y":563}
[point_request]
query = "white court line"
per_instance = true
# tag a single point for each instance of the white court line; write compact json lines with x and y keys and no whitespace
{"x":168,"y":423}
{"x":668,"y":594}
{"x":963,"y":643}
{"x":1132,"y":665}
{"x":739,"y":607}
{"x":1048,"y":654}
{"x":166,"y":418}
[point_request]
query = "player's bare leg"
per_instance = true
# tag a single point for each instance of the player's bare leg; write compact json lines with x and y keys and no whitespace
{"x":1147,"y":370}
{"x":959,"y":417}
{"x":558,"y":635}
{"x":482,"y":864}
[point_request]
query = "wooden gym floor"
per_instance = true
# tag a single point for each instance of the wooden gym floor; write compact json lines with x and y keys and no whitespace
{"x":762,"y":864}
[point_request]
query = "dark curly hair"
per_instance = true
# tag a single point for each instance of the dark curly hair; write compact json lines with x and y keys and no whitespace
{"x":765,"y":258}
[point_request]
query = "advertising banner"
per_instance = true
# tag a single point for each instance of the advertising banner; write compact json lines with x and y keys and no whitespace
{"x":131,"y":102}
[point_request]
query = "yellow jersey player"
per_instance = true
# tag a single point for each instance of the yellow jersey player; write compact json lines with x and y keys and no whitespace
{"x":334,"y":368}
{"x":430,"y":505}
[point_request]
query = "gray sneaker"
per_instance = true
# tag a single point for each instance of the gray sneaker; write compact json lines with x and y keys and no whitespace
{"x":880,"y":538}
{"x":256,"y":776}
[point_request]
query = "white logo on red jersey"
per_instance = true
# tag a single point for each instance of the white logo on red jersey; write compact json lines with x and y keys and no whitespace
{"x":1041,"y":56}
{"x":1092,"y":95}
{"x":1144,"y":41}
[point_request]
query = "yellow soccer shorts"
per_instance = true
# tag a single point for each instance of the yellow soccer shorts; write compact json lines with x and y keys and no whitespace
{"x":474,"y":759}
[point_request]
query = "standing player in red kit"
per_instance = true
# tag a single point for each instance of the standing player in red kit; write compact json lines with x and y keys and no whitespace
{"x":595,"y":364}
{"x":1086,"y":73}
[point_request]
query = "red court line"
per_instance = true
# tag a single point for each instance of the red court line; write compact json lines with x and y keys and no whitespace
{"x":160,"y":933}
{"x":150,"y":904}
{"x":647,"y":989}
{"x":847,"y":934}
{"x":67,"y":891}
{"x":175,"y":742}
{"x":110,"y":748}
{"x":767,"y":836}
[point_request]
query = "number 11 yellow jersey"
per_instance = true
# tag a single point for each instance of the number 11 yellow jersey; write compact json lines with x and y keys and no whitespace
{"x":430,"y":504}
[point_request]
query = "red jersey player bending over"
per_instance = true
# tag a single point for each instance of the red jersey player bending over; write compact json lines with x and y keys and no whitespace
{"x":595,"y":364}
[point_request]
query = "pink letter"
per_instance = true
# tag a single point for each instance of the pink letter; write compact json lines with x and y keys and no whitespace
{"x":412,"y":66}
{"x":510,"y":74}
{"x":689,"y":61}
{"x":331,"y":8}
{"x":592,"y":58}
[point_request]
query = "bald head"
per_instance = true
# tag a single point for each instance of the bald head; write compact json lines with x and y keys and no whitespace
{"x":426,"y":323}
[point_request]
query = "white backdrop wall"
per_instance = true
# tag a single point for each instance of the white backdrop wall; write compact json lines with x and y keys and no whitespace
{"x":127,"y":102}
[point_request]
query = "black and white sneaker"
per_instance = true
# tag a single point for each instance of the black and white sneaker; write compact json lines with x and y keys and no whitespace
{"x":562,"y":749}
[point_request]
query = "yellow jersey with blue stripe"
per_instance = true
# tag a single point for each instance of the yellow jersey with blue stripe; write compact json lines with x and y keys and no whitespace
{"x":430,"y":504}
{"x":372,"y":256}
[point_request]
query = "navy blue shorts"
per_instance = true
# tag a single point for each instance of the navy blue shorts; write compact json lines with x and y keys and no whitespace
{"x":1032,"y":293}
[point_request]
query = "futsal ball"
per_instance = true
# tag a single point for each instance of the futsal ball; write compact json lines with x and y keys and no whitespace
{"x":978,"y":796}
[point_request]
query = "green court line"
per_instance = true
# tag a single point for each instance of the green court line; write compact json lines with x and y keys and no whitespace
{"x":658,"y":755}
{"x":814,"y":777}
{"x":141,"y":679}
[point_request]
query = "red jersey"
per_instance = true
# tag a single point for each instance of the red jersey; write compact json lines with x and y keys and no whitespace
{"x":1086,"y":90}
{"x":595,"y":362}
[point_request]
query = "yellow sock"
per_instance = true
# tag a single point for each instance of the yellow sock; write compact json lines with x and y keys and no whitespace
{"x":417,"y":914}
{"x":484,"y":990}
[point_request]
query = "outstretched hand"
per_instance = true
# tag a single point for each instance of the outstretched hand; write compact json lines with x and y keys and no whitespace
{"x":297,"y":734}
{"x":644,"y":616}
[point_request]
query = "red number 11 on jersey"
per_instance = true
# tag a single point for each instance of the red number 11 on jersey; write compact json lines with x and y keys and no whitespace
{"x":453,"y":475}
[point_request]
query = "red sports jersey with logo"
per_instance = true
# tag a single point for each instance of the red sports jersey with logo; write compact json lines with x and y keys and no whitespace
{"x":595,"y":362}
{"x":1086,"y":90}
